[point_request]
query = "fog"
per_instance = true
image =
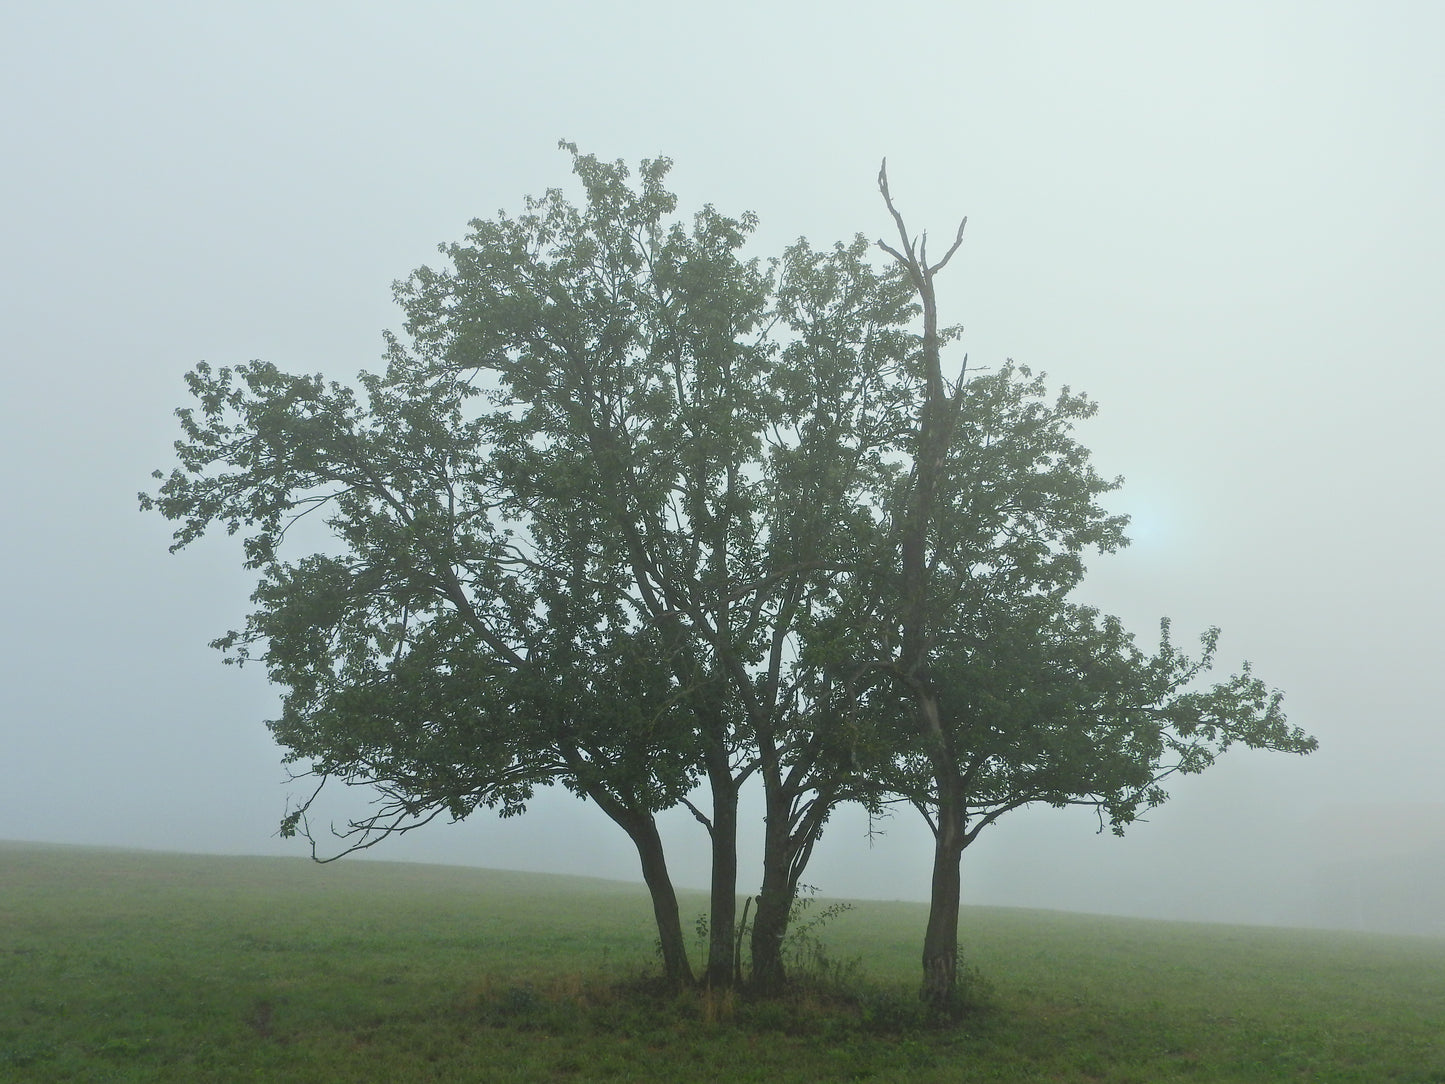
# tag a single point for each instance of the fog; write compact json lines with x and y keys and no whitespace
{"x":1223,"y":221}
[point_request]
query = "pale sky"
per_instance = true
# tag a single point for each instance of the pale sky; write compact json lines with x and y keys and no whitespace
{"x":1223,"y":221}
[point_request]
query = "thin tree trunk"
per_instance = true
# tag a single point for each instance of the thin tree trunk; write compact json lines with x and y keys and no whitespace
{"x":675,"y":966}
{"x":940,"y":939}
{"x":738,"y":944}
{"x":723,"y":903}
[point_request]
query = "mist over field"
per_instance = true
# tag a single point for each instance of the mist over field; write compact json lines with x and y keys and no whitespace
{"x":1223,"y":223}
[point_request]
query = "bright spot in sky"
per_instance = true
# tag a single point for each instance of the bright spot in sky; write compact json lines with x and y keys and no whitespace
{"x":1150,"y":524}
{"x":1158,"y":522}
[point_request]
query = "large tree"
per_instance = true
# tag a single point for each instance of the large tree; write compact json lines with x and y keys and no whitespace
{"x":437,"y":650}
{"x":577,"y":529}
{"x":1013,"y":694}
{"x":725,"y":425}
{"x":630,"y":513}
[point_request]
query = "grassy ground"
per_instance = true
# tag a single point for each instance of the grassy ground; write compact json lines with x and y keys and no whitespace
{"x":118,"y":966}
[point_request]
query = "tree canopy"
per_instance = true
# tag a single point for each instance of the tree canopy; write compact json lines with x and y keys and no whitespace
{"x":631,"y":513}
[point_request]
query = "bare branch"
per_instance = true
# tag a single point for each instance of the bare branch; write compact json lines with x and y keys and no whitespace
{"x":700,"y":815}
{"x":910,"y":261}
{"x":888,"y":199}
{"x":922,"y":808}
{"x":957,"y":240}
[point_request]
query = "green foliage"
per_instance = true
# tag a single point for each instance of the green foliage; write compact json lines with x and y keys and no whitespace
{"x":611,"y":477}
{"x":631,"y":512}
{"x":810,"y":964}
{"x":573,"y":526}
{"x":1044,"y":700}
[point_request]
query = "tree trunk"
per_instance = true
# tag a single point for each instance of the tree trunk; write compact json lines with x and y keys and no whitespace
{"x":675,"y":966}
{"x":770,"y":925}
{"x":941,"y":937}
{"x":641,"y":828}
{"x":723,"y":903}
{"x":775,"y":901}
{"x":940,"y":940}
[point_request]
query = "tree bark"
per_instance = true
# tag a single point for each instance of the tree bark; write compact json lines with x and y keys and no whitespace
{"x":675,"y":966}
{"x":775,"y":901}
{"x":940,"y":939}
{"x":723,"y":902}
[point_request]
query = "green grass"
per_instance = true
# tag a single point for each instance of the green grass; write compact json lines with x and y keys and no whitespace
{"x":119,"y":966}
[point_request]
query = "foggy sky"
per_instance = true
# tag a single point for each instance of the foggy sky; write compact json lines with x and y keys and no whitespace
{"x":1223,"y":222}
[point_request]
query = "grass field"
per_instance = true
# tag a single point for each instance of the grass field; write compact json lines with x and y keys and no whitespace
{"x":121,"y":966}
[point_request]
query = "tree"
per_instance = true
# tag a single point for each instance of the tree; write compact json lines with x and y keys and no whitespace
{"x":581,"y":522}
{"x":1014,"y":694}
{"x":632,"y":514}
{"x":430,"y":658}
{"x":724,"y":424}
